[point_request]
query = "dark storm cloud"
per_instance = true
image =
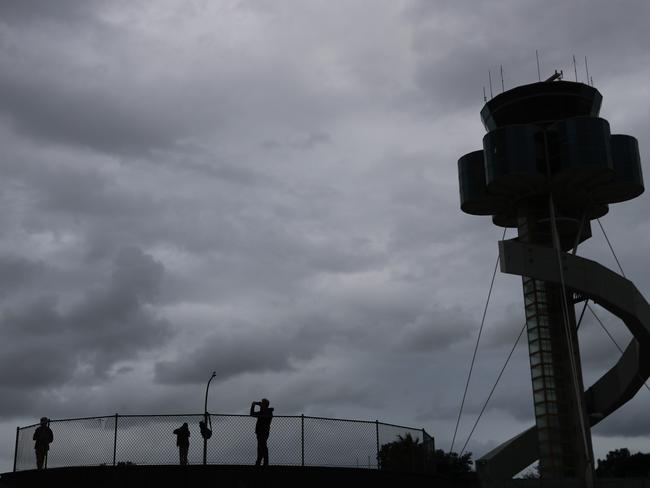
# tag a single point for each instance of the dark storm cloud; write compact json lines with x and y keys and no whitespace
{"x":50,"y":344}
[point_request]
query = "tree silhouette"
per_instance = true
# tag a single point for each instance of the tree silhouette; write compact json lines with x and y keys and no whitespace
{"x":409,"y":454}
{"x":451,"y":464}
{"x":619,"y":463}
{"x":404,"y":454}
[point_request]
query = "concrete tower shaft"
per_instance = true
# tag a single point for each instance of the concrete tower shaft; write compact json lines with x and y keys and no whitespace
{"x":564,"y":441}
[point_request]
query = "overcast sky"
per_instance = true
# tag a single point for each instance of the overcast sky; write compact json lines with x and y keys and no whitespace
{"x":269,"y":189}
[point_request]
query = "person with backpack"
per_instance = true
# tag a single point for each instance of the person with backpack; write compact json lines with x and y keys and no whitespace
{"x":43,"y":437}
{"x":183,"y":442}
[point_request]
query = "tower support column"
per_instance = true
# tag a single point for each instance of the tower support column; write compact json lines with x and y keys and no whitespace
{"x":564,"y":440}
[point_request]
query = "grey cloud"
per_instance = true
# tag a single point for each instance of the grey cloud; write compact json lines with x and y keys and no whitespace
{"x":312,"y":140}
{"x":271,"y":192}
{"x":95,"y":117}
{"x":70,"y":191}
{"x":201,"y":162}
{"x":17,"y":272}
{"x":435,"y":329}
{"x":303,"y":337}
{"x":131,"y":112}
{"x":597,"y":349}
{"x":516,"y":400}
{"x":53,"y":343}
{"x":629,"y":421}
{"x":333,"y":390}
{"x":303,"y":143}
{"x":229,"y":355}
{"x":245,"y":348}
{"x":35,"y":11}
{"x":453,"y":64}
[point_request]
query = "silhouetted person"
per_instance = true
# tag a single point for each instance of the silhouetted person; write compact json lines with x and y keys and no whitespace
{"x":183,"y":442}
{"x":43,"y":436}
{"x":262,"y":429}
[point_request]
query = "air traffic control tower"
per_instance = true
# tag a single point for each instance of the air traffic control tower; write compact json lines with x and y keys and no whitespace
{"x":548,"y":167}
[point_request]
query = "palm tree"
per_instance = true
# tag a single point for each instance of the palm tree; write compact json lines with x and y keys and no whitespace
{"x":404,"y":454}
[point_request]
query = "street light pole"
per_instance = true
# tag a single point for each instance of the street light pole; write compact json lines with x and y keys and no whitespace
{"x":205,"y":418}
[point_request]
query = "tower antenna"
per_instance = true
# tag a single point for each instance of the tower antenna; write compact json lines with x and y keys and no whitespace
{"x":574,"y":67}
{"x":484,"y":97}
{"x":587,"y":69}
{"x":502,"y":87}
{"x":490,"y":78}
{"x":539,"y":74}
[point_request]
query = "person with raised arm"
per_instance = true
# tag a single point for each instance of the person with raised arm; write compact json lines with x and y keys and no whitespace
{"x":262,"y":429}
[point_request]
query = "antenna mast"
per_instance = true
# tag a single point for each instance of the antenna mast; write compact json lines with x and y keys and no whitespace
{"x":490,"y":78}
{"x":502,"y":86}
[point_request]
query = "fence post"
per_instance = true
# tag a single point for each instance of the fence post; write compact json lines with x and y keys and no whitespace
{"x":115,"y":440}
{"x":425,"y":449}
{"x":47,"y":452}
{"x":302,"y":439}
{"x":377,"y":432}
{"x":16,"y":447}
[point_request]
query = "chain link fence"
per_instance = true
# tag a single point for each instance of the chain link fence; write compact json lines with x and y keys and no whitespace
{"x":149,"y":440}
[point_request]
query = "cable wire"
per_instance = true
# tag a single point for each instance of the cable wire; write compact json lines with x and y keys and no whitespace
{"x":501,"y":373}
{"x":611,"y":248}
{"x":478,"y":339}
{"x":582,"y":314}
{"x":492,"y":390}
{"x":568,"y":332}
{"x":620,"y":349}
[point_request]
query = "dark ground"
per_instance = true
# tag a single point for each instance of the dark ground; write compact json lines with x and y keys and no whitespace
{"x":273,"y":476}
{"x":218,"y":476}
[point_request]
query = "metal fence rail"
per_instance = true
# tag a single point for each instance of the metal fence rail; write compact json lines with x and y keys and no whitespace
{"x":149,"y":440}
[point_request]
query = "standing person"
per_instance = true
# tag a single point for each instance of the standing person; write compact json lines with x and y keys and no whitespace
{"x":43,"y":436}
{"x":262,"y":429}
{"x":183,"y":442}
